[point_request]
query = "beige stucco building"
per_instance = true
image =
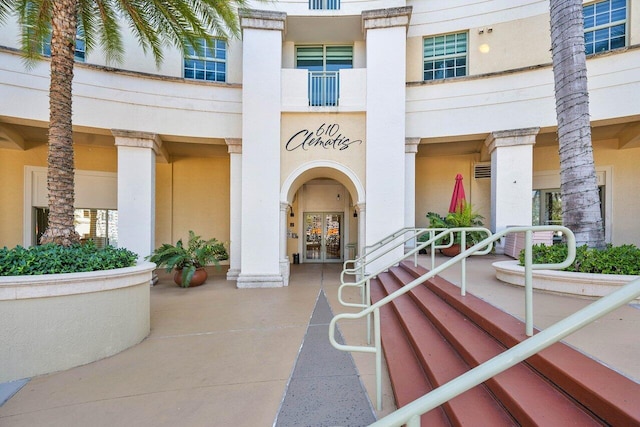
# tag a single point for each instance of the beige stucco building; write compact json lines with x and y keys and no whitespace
{"x":327,"y":126}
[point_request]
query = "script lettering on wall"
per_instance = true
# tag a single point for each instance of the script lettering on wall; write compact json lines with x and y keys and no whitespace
{"x":327,"y":136}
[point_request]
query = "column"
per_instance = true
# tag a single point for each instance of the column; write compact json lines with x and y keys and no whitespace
{"x":410,"y":150}
{"x":234,"y":146}
{"x":362,"y":220}
{"x":511,"y":187}
{"x":136,"y":190}
{"x":284,"y":259}
{"x":262,"y":35}
{"x":386,"y":36}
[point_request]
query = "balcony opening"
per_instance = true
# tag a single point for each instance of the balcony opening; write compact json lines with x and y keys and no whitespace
{"x":324,"y":64}
{"x":324,"y":4}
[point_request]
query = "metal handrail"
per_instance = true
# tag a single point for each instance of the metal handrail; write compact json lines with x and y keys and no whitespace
{"x":410,"y":414}
{"x":481,"y":246}
{"x":378,"y":250}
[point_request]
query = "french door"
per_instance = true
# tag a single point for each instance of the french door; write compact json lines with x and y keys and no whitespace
{"x":323,"y":237}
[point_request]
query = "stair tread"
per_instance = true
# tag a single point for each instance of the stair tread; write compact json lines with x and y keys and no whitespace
{"x":444,"y":364}
{"x":399,"y":354}
{"x":612,"y":396}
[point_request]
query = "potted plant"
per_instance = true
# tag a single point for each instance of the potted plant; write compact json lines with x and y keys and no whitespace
{"x":189,"y":261}
{"x":464,"y":216}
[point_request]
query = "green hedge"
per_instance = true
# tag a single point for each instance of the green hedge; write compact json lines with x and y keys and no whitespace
{"x":623,"y":259}
{"x":53,"y":259}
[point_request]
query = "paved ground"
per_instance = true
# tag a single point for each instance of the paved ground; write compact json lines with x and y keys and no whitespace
{"x":221,"y":356}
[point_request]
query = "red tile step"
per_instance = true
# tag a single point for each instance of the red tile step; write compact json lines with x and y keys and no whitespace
{"x":605,"y":395}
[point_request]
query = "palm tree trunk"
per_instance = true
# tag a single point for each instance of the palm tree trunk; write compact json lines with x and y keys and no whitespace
{"x":60,"y":174}
{"x":578,"y":182}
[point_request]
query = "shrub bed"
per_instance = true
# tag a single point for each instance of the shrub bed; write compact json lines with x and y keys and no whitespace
{"x":55,"y":259}
{"x":624,"y":259}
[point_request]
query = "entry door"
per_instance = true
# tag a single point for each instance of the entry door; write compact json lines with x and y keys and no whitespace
{"x":323,"y":237}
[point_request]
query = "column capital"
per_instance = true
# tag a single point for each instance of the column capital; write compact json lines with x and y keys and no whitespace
{"x":510,"y":138}
{"x":284,"y":206}
{"x":360,"y":207}
{"x":263,"y":20}
{"x":411,"y":145}
{"x":139,"y":139}
{"x":234,"y":145}
{"x":386,"y":18}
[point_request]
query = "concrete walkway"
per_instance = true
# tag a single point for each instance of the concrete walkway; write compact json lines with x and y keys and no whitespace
{"x":221,"y":356}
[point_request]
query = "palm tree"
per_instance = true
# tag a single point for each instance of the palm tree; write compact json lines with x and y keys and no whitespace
{"x":179,"y":22}
{"x":578,"y":183}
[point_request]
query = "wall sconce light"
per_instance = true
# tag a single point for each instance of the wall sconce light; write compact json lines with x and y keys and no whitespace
{"x":355,"y":213}
{"x":291,"y":211}
{"x":480,"y":30}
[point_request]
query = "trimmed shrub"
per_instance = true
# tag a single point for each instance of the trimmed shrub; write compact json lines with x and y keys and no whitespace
{"x":54,"y":259}
{"x":623,"y":259}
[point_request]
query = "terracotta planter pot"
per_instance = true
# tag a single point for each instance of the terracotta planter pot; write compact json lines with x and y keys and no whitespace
{"x":199,"y":277}
{"x":451,"y":251}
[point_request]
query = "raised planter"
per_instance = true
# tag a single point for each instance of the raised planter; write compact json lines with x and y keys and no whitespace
{"x":565,"y":282}
{"x":58,"y":321}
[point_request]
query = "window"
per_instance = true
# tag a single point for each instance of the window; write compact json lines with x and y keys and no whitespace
{"x":324,"y":64}
{"x":324,"y":4}
{"x":99,"y":225}
{"x":604,"y":25}
{"x":79,"y":54}
{"x":445,"y":56}
{"x":207,"y":61}
{"x":547,"y":207}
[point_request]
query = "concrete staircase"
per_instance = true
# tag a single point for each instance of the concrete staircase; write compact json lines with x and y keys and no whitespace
{"x":432,"y":335}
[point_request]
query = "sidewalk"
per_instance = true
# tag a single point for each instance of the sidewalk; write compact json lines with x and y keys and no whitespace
{"x":221,"y":356}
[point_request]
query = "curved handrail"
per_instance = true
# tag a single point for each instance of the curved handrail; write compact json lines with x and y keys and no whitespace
{"x":486,"y":243}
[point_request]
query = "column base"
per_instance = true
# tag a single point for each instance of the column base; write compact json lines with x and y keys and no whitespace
{"x":233,"y":274}
{"x":259,"y":281}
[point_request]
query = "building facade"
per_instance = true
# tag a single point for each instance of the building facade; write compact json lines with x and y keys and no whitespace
{"x":328,"y":125}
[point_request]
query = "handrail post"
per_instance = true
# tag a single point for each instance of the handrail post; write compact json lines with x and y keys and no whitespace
{"x":463,"y":264}
{"x":528,"y":282}
{"x":367,"y":302}
{"x":378,"y":346}
{"x":433,"y":249}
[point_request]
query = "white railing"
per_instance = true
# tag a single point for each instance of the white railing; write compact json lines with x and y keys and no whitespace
{"x":484,"y":246}
{"x":323,"y":88}
{"x":324,"y":4}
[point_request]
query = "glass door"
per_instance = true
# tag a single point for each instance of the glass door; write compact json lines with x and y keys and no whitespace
{"x":323,"y":237}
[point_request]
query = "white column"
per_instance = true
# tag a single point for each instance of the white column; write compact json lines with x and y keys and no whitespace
{"x":410,"y":150}
{"x":137,"y":190}
{"x":284,"y":260}
{"x":262,"y":35}
{"x":511,"y":187}
{"x":385,"y":32}
{"x":235,"y":201}
{"x":362,"y":229}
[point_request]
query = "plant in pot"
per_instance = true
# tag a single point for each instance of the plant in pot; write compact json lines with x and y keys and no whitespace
{"x":189,"y":261}
{"x":464,"y":216}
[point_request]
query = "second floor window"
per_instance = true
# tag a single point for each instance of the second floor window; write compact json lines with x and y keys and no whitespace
{"x":445,"y":56}
{"x":604,"y":25}
{"x":207,"y":62}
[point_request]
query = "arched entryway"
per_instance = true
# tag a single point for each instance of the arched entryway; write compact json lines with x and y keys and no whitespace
{"x":325,"y":210}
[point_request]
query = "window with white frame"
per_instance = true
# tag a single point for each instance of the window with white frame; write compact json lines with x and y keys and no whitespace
{"x":445,"y":56}
{"x":324,"y":4}
{"x":207,"y":61}
{"x":604,"y":25}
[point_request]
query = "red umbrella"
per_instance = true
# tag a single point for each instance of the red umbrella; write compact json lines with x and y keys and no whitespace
{"x":458,"y":198}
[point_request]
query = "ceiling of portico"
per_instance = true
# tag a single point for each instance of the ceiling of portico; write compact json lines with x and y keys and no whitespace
{"x":325,"y":30}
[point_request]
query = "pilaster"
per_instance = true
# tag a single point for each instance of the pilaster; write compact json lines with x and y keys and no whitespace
{"x":234,"y":146}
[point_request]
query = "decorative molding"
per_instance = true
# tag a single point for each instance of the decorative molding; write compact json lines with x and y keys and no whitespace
{"x":411,"y":145}
{"x":139,"y":139}
{"x":386,"y":18}
{"x":263,"y":20}
{"x":510,"y":138}
{"x":234,"y":145}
